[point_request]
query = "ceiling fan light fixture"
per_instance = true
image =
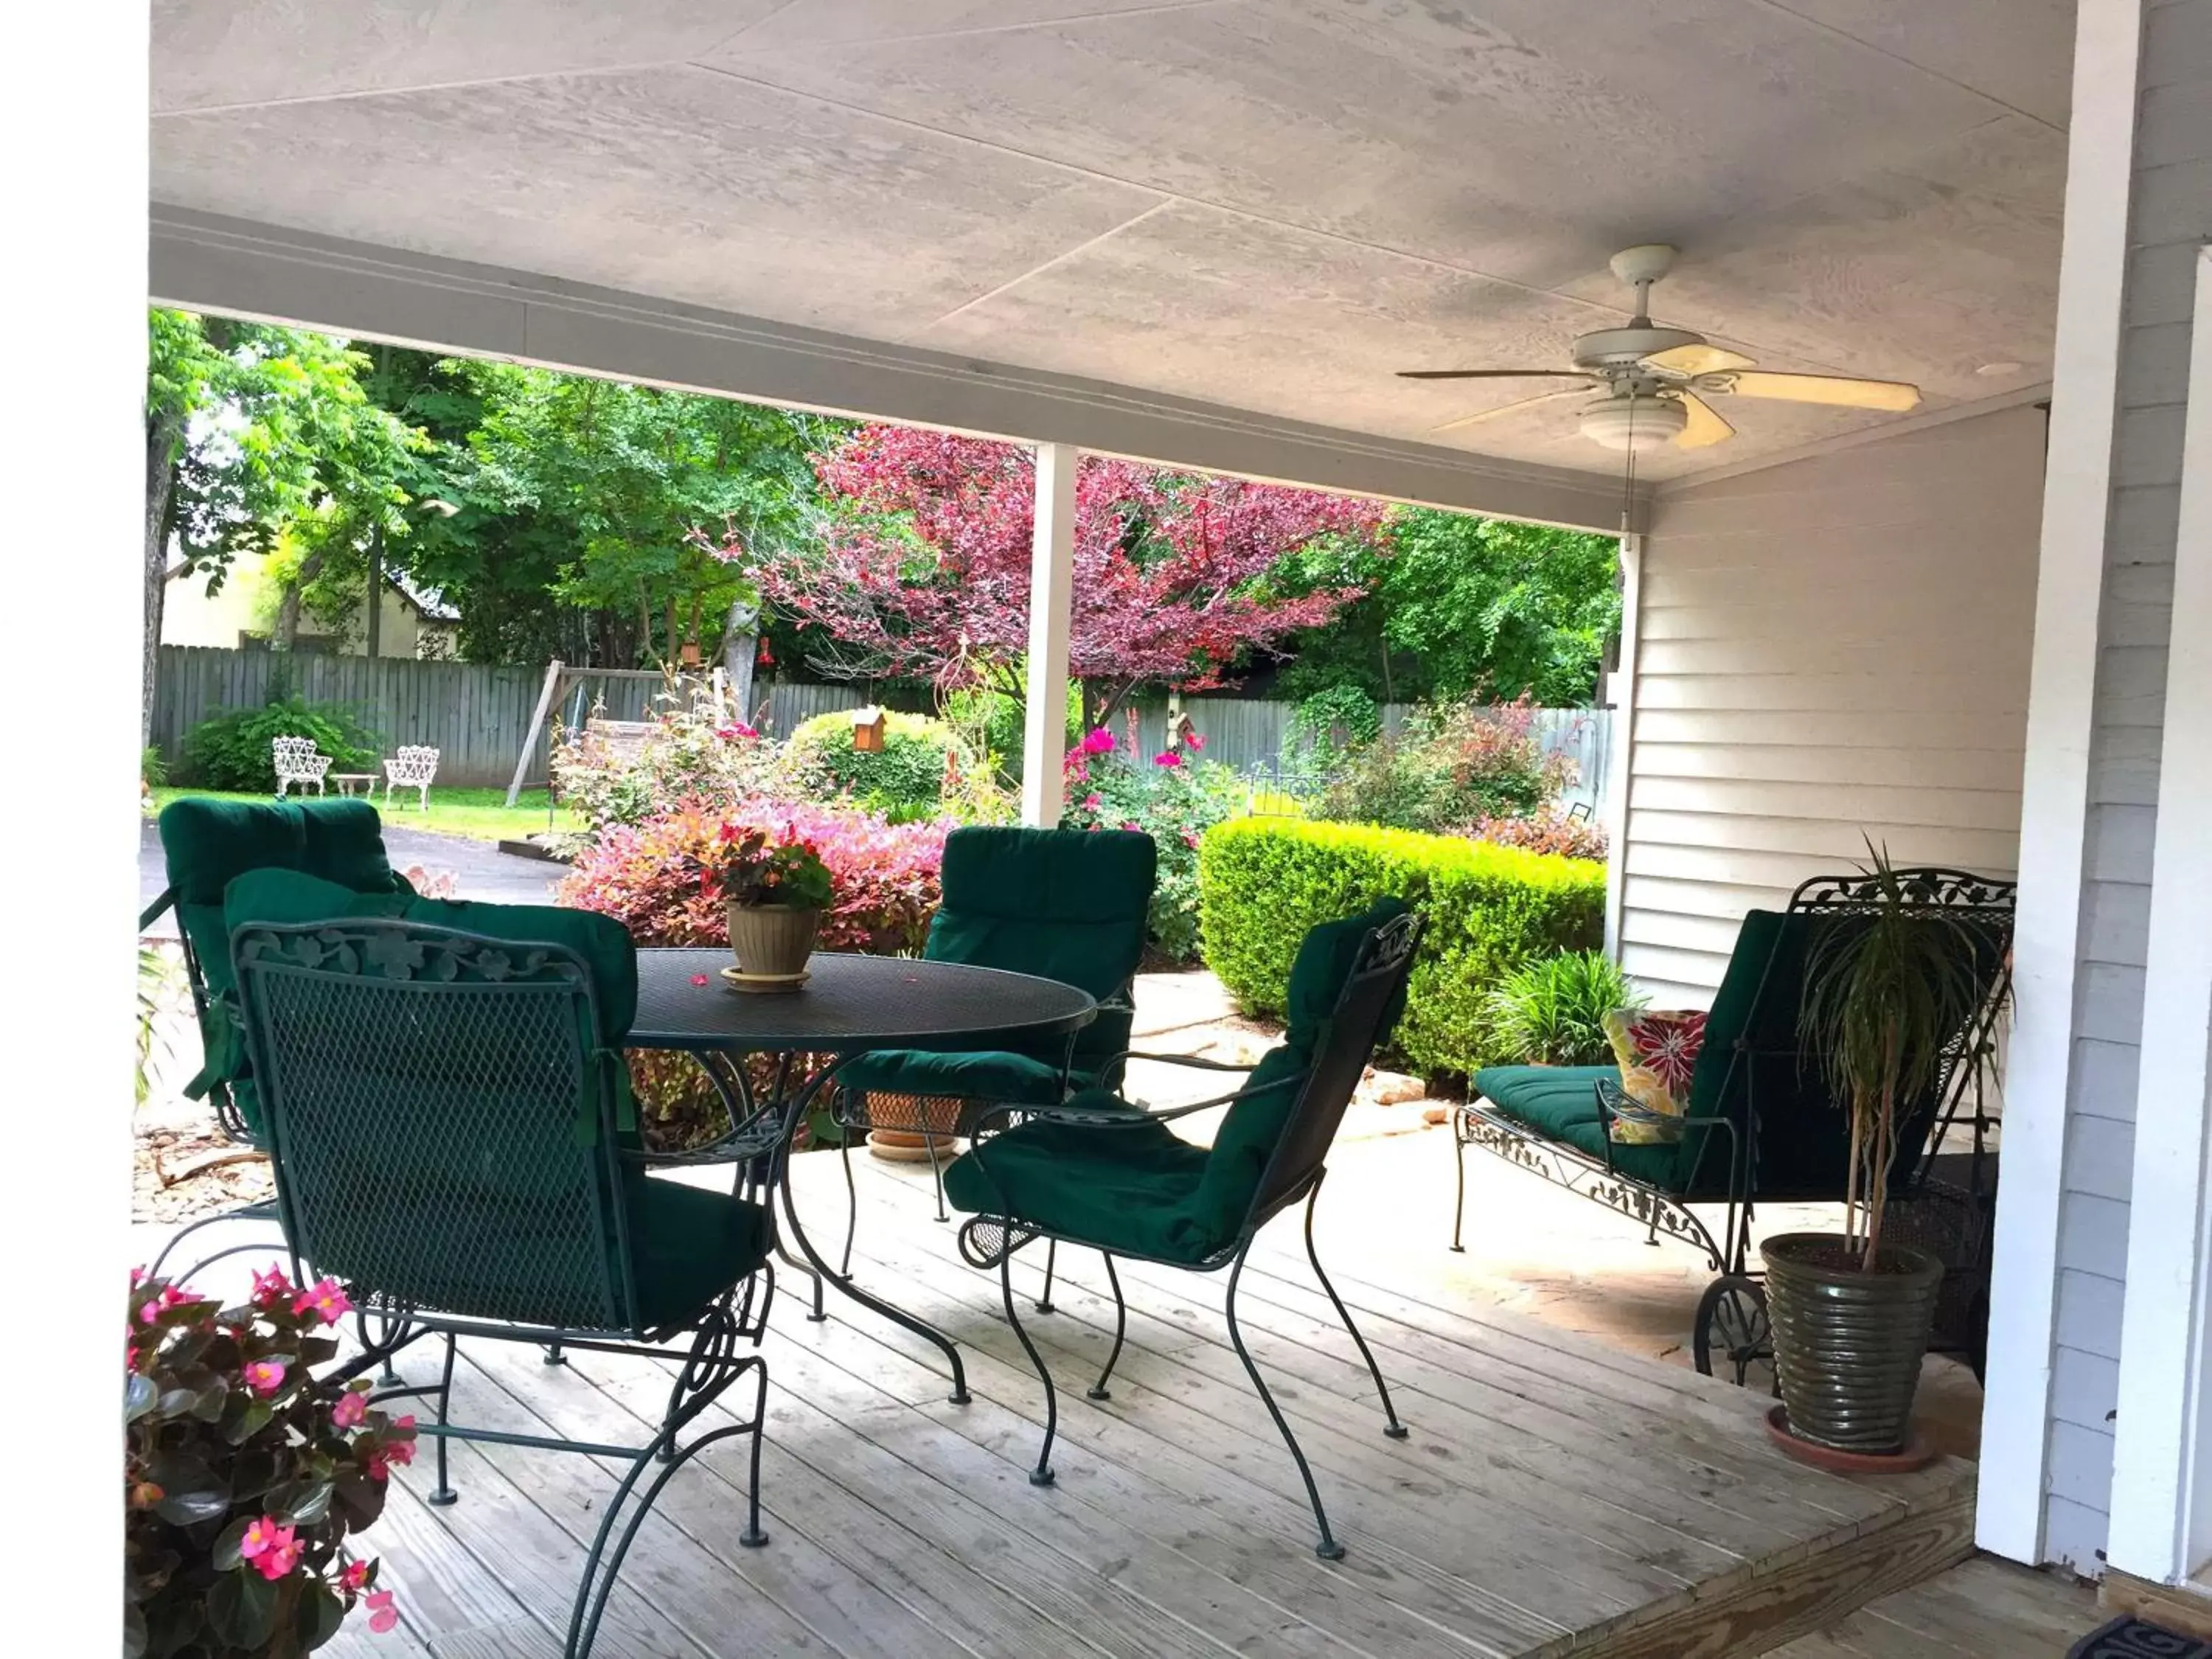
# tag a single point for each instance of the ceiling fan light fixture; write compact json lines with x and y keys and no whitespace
{"x":1634,"y":424}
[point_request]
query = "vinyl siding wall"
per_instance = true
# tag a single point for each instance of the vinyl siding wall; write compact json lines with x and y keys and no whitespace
{"x":1827,"y":650}
{"x":2171,"y":217}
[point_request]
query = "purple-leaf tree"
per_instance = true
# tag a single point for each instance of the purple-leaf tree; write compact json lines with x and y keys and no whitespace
{"x":922,"y":569}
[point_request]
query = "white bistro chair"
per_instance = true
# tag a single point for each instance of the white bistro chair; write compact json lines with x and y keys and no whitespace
{"x":298,"y":761}
{"x":412,"y":768}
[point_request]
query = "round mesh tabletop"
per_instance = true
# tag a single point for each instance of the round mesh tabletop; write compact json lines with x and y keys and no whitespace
{"x":850,"y":1004}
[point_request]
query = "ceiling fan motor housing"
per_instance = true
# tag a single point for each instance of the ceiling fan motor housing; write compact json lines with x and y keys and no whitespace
{"x":1623,"y":347}
{"x":1634,"y":424}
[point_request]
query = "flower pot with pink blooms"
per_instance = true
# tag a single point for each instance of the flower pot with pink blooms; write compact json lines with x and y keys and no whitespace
{"x":774,"y":889}
{"x":244,"y":1475}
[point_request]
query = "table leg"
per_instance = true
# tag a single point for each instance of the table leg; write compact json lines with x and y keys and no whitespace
{"x":822,"y":1269}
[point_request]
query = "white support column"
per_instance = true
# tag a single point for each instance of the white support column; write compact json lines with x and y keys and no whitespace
{"x":1621,"y":694}
{"x":2161,"y":1488}
{"x":1052,"y":571}
{"x":2009,"y":1506}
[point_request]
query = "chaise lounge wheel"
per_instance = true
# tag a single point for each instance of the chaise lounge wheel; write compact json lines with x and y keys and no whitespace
{"x":1733,"y":1332}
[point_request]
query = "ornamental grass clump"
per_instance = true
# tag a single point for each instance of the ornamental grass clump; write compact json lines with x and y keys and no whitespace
{"x":1551,"y":1012}
{"x":244,"y":1475}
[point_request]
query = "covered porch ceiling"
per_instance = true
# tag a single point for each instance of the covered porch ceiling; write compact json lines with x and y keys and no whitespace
{"x":1228,"y":211}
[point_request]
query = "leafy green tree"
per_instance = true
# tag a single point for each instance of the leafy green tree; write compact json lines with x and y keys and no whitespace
{"x":254,"y":433}
{"x":1459,"y":605}
{"x":634,"y":496}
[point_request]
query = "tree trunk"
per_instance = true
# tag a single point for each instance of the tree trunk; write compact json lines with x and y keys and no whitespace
{"x":286,"y":635}
{"x":163,"y":434}
{"x":740,"y":649}
{"x":375,"y":643}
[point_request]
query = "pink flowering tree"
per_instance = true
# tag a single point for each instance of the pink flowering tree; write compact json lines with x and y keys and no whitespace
{"x":244,"y":1474}
{"x":922,"y":569}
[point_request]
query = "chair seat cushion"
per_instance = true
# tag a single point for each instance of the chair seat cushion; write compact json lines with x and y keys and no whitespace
{"x":688,"y":1245}
{"x":1133,"y":1190}
{"x":996,"y":1076}
{"x":1559,"y":1103}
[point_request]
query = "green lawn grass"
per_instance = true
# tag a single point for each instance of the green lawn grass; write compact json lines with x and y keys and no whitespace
{"x":479,"y":814}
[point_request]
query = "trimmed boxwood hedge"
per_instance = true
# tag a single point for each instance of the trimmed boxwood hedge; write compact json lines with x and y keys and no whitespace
{"x":1487,"y":910}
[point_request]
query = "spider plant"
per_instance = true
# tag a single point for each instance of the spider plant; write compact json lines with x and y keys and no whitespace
{"x":1885,"y":994}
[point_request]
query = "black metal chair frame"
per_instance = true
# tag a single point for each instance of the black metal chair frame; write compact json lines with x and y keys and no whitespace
{"x":719,"y":1331}
{"x":1731,"y":1321}
{"x":1295,"y":1170}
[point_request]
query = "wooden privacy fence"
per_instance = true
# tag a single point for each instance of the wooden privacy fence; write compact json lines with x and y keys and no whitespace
{"x":476,"y":715}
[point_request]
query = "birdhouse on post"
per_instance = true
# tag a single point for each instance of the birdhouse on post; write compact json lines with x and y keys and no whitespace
{"x":868,"y":729}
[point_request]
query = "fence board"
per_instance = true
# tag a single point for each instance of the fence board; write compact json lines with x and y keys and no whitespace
{"x":476,"y":714}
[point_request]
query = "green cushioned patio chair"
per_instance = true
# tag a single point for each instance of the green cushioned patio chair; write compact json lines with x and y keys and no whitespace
{"x":205,"y":844}
{"x":1063,"y":904}
{"x":1760,"y":1125}
{"x":1099,"y":1171}
{"x":444,"y":1115}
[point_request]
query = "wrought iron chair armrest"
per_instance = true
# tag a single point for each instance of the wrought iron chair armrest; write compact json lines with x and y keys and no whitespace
{"x":152,"y":912}
{"x":1093,"y":1117}
{"x":1173,"y":1060}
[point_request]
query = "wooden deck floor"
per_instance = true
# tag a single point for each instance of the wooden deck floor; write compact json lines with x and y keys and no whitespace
{"x":1555,"y":1495}
{"x":1979,"y":1609}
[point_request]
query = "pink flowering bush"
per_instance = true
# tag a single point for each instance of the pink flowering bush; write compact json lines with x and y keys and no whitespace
{"x":649,"y":876}
{"x":700,"y":746}
{"x":1174,"y":799}
{"x":244,"y":1475}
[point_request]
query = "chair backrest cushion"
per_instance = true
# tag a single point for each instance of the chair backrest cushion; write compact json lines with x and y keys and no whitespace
{"x":437,"y":1116}
{"x":206,"y":843}
{"x":1064,"y":904}
{"x":1252,"y":1127}
{"x":1754,"y":1055}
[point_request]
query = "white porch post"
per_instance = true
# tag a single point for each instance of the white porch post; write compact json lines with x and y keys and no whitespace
{"x":2161,"y":1487}
{"x":1052,"y":568}
{"x":2010,"y":1507}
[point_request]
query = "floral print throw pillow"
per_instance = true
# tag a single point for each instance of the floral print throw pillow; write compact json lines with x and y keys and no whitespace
{"x":1658,"y":1050}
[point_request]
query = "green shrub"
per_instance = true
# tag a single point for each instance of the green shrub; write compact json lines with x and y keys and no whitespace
{"x":231,"y":750}
{"x":1487,"y":910}
{"x":904,"y":780}
{"x":1552,"y":1013}
{"x":1454,"y":763}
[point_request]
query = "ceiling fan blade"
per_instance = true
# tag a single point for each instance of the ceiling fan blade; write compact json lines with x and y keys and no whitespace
{"x":1834,"y":389}
{"x":1513,"y":408}
{"x":1697,"y":359}
{"x":1496,"y":375}
{"x":1705,"y":427}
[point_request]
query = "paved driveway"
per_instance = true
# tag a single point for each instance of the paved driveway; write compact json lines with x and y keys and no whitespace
{"x":480,"y":870}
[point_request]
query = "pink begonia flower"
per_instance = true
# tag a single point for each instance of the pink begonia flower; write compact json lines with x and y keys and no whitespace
{"x":382,"y":1615}
{"x":698,"y":979}
{"x":326,"y":1299}
{"x":405,"y":1421}
{"x":1193,"y":741}
{"x":271,"y":1548}
{"x":171,"y":1297}
{"x":1131,"y":824}
{"x":270,"y":1287}
{"x":1167,"y":757}
{"x":266,"y":1377}
{"x":1098,"y":741}
{"x":353,"y":1577}
{"x":352,"y":1406}
{"x":1093,"y":802}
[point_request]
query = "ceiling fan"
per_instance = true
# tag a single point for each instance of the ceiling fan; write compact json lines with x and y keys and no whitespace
{"x":1656,"y":380}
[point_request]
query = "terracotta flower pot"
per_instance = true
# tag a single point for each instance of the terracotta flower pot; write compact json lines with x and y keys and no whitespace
{"x":772,"y":940}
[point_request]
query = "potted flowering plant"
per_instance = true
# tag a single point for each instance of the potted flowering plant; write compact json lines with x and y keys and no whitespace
{"x":774,"y":889}
{"x":243,"y":1475}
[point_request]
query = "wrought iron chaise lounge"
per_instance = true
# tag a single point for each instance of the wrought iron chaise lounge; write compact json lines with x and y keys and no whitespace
{"x":1761,"y":1127}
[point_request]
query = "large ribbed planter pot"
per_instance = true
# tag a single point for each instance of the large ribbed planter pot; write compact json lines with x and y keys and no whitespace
{"x":1847,"y":1345}
{"x":772,"y":941}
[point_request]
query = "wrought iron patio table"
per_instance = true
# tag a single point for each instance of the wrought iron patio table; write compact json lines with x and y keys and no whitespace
{"x":849,"y":1005}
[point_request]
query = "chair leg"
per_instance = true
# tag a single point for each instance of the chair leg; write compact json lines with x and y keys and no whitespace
{"x":1459,"y":1202}
{"x":1328,"y":1548}
{"x":1393,"y":1427}
{"x":443,"y":1492}
{"x":852,"y":1205}
{"x":553,"y":1356}
{"x":936,"y":1173}
{"x":1099,"y":1389}
{"x":1051,"y":1261}
{"x":1041,"y":1475}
